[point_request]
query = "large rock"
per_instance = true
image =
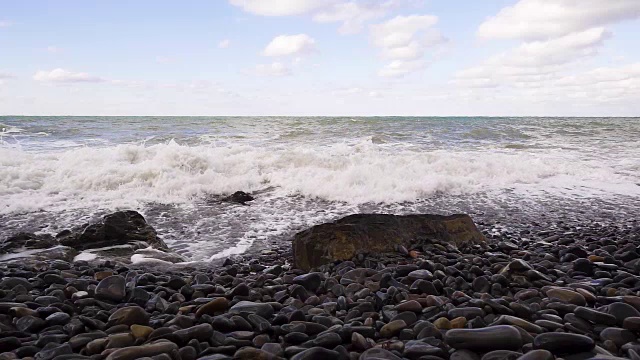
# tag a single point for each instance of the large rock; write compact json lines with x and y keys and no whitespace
{"x":118,"y":228}
{"x":369,"y":233}
{"x":25,"y":240}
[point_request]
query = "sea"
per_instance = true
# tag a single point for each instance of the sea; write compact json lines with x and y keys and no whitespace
{"x":60,"y":172}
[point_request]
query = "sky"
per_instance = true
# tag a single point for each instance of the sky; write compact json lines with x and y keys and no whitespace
{"x":320,"y":57}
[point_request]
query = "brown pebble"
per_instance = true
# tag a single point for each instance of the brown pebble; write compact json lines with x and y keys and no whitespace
{"x":458,"y":323}
{"x":442,"y":323}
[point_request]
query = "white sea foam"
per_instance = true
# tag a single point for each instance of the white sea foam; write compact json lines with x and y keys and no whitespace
{"x":127,"y":175}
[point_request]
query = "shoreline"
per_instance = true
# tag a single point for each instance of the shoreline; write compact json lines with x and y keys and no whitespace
{"x":518,"y":296}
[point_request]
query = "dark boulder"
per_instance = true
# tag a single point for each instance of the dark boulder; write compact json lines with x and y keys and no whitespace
{"x":27,"y":241}
{"x":118,"y":228}
{"x":378,"y":233}
{"x":239,"y":197}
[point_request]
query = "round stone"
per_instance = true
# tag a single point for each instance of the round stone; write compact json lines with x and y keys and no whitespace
{"x":617,"y":335}
{"x":411,"y":305}
{"x":378,"y":354}
{"x":632,"y":323}
{"x":129,"y":315}
{"x":501,"y":355}
{"x":316,"y":353}
{"x":539,"y":354}
{"x":595,"y":316}
{"x":140,"y":331}
{"x":458,"y":323}
{"x":111,"y":288}
{"x":212,"y":307}
{"x":264,"y":310}
{"x":568,"y":296}
{"x":442,"y":323}
{"x":560,"y":343}
{"x":310,"y":281}
{"x":500,"y":337}
{"x":392,"y":328}
{"x":622,"y":311}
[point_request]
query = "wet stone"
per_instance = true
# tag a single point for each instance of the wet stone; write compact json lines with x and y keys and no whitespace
{"x":500,"y":337}
{"x":129,"y":315}
{"x":622,"y":311}
{"x":212,"y":307}
{"x":632,"y":323}
{"x":30,"y":324}
{"x":568,"y":296}
{"x":111,"y":288}
{"x":378,"y":354}
{"x":392,"y":328}
{"x":316,"y":353}
{"x":501,"y":355}
{"x":539,"y":354}
{"x":617,"y":335}
{"x":595,"y":316}
{"x":264,"y":310}
{"x":560,"y":343}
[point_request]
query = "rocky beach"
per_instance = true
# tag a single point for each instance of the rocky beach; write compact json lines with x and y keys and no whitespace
{"x":367,"y":286}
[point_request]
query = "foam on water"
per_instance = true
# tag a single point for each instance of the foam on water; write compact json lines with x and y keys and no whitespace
{"x":128,"y":175}
{"x":304,"y":173}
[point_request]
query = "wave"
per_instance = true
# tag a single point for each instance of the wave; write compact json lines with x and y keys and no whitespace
{"x":8,"y":129}
{"x":126,"y":175}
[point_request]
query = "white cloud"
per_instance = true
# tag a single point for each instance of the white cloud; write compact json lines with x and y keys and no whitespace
{"x":223,"y":44}
{"x":276,"y":69}
{"x":5,"y":23}
{"x":65,"y":76}
{"x":398,"y":68}
{"x":556,"y":51}
{"x":6,"y":75}
{"x":352,"y":14}
{"x":281,"y":7}
{"x":534,"y":62}
{"x":404,"y":40}
{"x":543,"y":19}
{"x":622,"y":76}
{"x":285,"y":45}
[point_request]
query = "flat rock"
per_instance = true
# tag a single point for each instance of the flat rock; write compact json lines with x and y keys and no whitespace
{"x":500,"y":337}
{"x":561,"y":343}
{"x":316,"y":353}
{"x":378,"y":354}
{"x":264,"y":310}
{"x":377,"y":233}
{"x":111,"y":288}
{"x":213,"y":306}
{"x":129,"y":315}
{"x":568,"y":296}
{"x":149,"y":350}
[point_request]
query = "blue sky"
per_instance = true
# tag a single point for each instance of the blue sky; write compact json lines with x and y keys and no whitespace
{"x":320,"y":57}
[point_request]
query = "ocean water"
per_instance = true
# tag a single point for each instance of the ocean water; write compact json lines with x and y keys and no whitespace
{"x":60,"y":172}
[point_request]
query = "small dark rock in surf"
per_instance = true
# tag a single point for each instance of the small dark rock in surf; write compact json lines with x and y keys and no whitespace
{"x":239,"y":197}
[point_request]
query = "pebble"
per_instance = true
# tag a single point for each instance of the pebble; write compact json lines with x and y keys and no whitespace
{"x":129,"y":315}
{"x":212,"y":307}
{"x":264,"y":310}
{"x":111,"y":288}
{"x":500,"y":337}
{"x":149,"y":350}
{"x":561,"y":343}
